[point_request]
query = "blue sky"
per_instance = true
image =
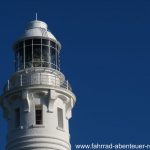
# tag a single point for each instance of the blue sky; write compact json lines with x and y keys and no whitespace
{"x":106,"y":57}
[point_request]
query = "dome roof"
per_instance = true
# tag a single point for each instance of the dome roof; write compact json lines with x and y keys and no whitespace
{"x":38,"y":28}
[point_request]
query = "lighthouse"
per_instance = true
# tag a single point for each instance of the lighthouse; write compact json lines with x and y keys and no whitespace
{"x":37,"y":100}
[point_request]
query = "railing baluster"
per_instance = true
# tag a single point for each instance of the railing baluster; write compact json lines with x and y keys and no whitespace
{"x":21,"y":80}
{"x":40,"y":79}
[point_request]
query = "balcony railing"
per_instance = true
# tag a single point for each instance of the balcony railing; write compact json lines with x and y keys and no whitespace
{"x":36,"y":79}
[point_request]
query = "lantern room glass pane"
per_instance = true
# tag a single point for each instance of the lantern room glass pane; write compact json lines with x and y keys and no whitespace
{"x":28,"y":42}
{"x":45,"y":53}
{"x":21,"y":44}
{"x":53,"y":58}
{"x":36,"y":41}
{"x":28,"y":55}
{"x":37,"y":55}
{"x":21,"y":58}
{"x":45,"y":56}
{"x":37,"y":52}
{"x":45,"y":42}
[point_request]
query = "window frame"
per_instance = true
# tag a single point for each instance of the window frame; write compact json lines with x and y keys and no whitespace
{"x":38,"y":121}
{"x":17,"y":117}
{"x":60,"y":118}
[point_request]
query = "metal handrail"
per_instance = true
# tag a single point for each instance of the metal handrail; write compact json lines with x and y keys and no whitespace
{"x":36,"y":79}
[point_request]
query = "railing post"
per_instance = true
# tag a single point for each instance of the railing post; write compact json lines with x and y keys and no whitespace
{"x":8,"y":84}
{"x":21,"y":80}
{"x":40,"y":79}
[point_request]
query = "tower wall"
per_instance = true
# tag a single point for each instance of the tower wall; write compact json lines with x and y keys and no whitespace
{"x":37,"y":100}
{"x":48,"y":135}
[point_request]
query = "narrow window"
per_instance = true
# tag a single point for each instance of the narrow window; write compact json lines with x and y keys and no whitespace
{"x":17,"y":117}
{"x":60,"y":118}
{"x":38,"y":114}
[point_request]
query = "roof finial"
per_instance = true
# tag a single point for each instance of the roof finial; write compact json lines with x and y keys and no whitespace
{"x":36,"y":15}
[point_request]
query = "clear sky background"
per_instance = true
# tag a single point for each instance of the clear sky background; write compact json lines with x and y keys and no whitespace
{"x":106,"y":57}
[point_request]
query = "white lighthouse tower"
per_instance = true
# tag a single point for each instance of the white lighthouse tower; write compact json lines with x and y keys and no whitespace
{"x":37,"y":99}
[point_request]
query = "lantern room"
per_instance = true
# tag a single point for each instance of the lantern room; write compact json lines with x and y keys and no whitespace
{"x":37,"y":48}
